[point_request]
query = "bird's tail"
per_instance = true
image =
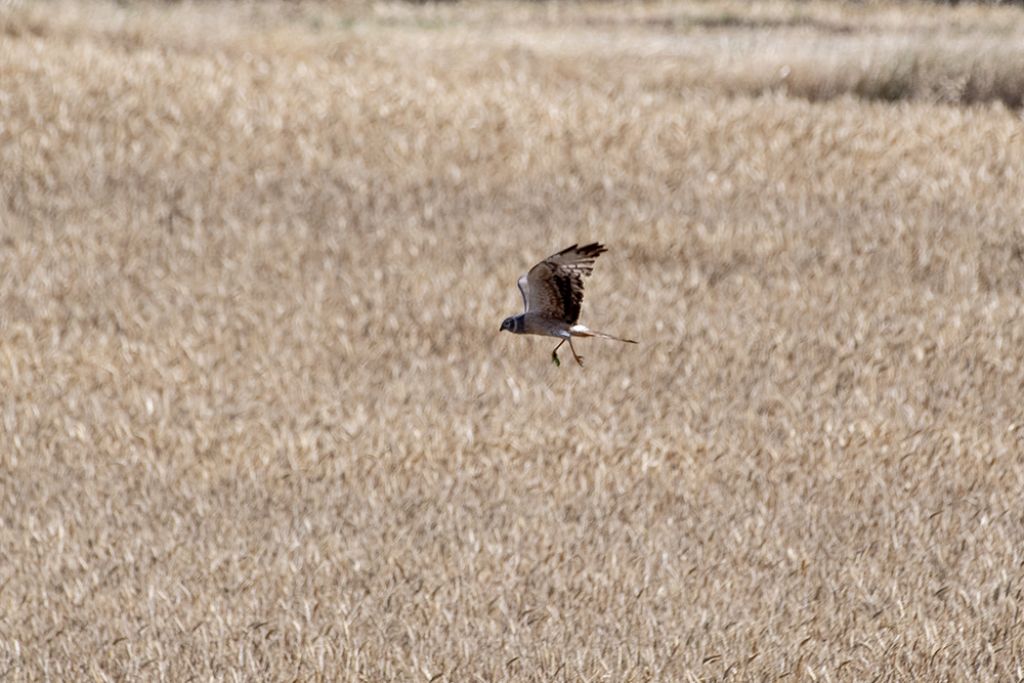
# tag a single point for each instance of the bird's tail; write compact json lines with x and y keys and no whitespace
{"x":584,"y":331}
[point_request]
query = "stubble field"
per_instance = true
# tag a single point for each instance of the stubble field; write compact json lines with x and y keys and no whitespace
{"x":257,"y":421}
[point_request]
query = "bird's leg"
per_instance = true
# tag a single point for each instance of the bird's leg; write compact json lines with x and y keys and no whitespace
{"x":554,"y":354}
{"x":579,"y":359}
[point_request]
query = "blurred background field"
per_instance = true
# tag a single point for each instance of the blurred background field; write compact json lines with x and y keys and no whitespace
{"x":257,"y":421}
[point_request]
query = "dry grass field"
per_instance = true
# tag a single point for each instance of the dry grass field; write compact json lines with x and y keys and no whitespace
{"x":257,"y":421}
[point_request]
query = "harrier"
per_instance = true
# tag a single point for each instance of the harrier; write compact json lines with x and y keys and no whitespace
{"x":552,"y":294}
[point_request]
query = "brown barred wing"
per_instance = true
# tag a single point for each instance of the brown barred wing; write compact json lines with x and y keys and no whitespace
{"x":554,"y":287}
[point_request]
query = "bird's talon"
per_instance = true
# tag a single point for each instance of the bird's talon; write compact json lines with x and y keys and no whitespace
{"x":554,"y":359}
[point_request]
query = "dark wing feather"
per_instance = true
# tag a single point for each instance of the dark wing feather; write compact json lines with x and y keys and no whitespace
{"x":554,"y":287}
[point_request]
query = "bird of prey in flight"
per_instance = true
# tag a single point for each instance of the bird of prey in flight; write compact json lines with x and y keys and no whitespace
{"x":552,"y":294}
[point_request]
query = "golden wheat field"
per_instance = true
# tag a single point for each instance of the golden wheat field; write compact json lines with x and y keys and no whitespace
{"x":257,"y":421}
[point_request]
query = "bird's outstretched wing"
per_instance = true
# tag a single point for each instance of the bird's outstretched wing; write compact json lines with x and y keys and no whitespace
{"x":554,"y":287}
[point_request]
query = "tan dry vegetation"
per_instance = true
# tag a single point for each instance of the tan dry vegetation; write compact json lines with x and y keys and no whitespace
{"x":257,"y":422}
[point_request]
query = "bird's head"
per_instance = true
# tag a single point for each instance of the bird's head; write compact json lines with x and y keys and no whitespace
{"x":508,"y":324}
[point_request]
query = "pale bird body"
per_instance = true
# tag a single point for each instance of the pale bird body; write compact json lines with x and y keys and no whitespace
{"x":552,"y":295}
